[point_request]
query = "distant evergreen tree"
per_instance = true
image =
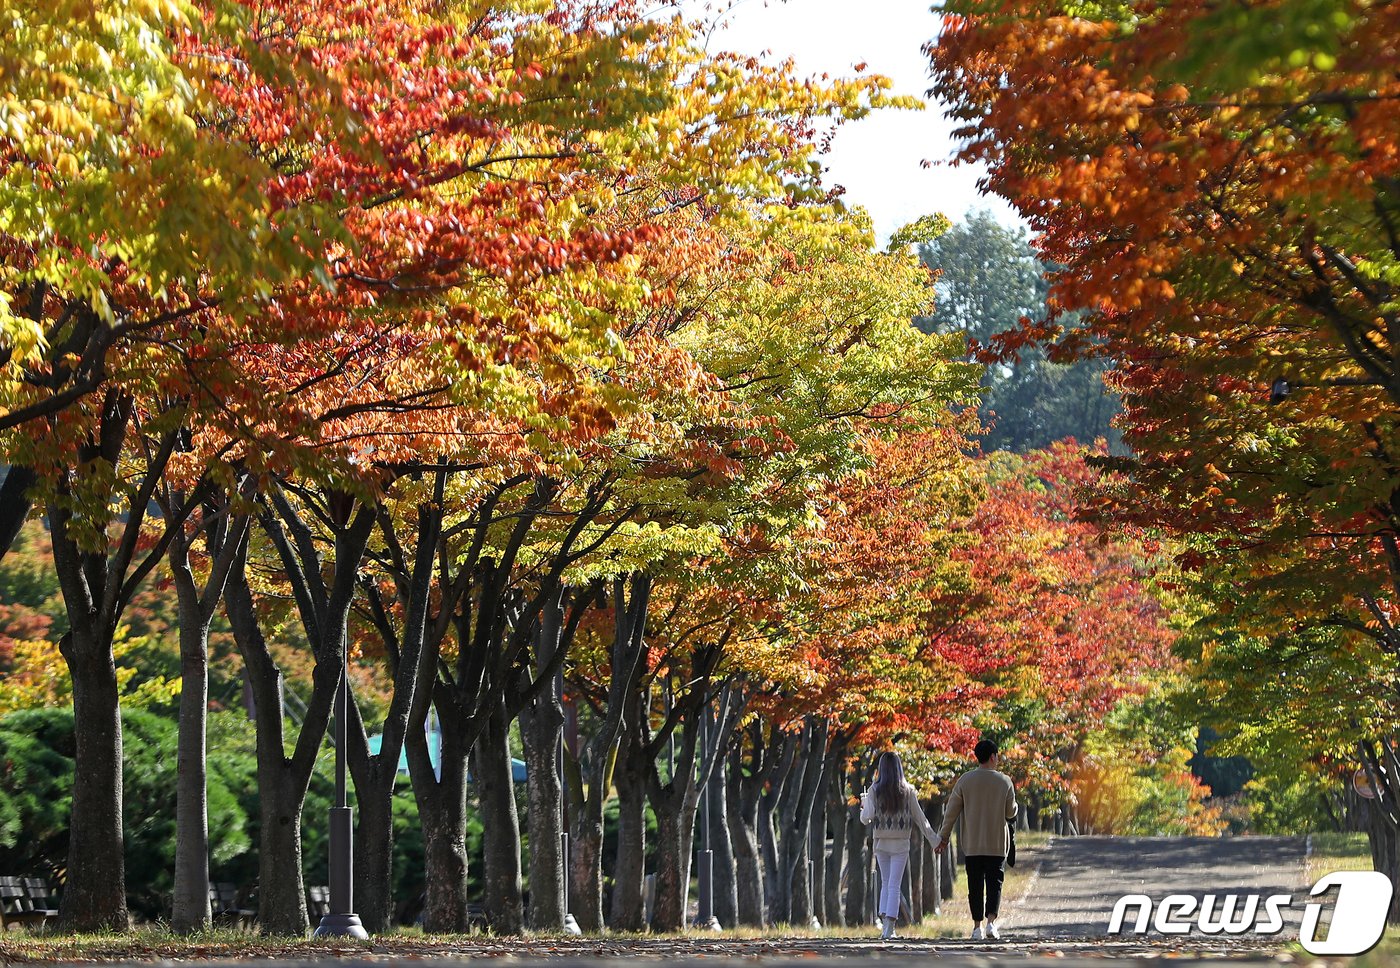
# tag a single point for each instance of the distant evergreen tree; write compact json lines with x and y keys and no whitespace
{"x":1225,"y":775}
{"x":989,"y":279}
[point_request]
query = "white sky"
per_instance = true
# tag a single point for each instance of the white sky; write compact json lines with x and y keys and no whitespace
{"x":879,"y":159}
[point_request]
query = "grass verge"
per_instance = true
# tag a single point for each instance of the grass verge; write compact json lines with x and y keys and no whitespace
{"x":1337,"y":852}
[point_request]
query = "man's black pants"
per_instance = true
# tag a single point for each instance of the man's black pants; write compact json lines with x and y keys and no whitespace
{"x":984,"y":875}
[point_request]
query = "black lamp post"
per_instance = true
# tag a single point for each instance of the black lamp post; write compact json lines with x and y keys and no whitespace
{"x":570,"y":922}
{"x":705,"y":918}
{"x":341,"y":922}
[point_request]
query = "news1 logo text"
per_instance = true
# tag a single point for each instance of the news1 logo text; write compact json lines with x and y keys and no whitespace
{"x":1358,"y":914}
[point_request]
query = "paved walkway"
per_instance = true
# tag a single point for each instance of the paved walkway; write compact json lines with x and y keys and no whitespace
{"x":1081,"y":878}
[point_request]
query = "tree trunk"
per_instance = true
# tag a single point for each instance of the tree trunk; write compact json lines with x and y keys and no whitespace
{"x":784,"y":846}
{"x":501,"y":875}
{"x":800,"y":790}
{"x":776,"y":889}
{"x":414,"y":669}
{"x":768,"y":853}
{"x":191,"y":901}
{"x":542,"y":733}
{"x":800,"y":886}
{"x":724,"y":879}
{"x":835,"y":861}
{"x":675,"y":803}
{"x":1385,"y":852}
{"x":947,"y":876}
{"x":673,"y":823}
{"x":445,"y":866}
{"x":281,"y":894}
{"x":324,"y":608}
{"x":809,"y":827}
{"x":916,"y":875}
{"x":1383,"y":766}
{"x":586,"y":798}
{"x":191,"y":909}
{"x":932,"y":888}
{"x":281,"y":796}
{"x":742,"y":815}
{"x":586,"y":874}
{"x":441,"y":794}
{"x":590,"y":770}
{"x":629,"y":873}
{"x":857,"y":869}
{"x":282,"y":781}
{"x":946,"y":861}
{"x":442,"y":810}
{"x":376,"y":778}
{"x":94,"y":895}
{"x":1390,"y":867}
{"x":374,"y":853}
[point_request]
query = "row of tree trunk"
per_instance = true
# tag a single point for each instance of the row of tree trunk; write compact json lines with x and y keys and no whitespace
{"x":476,"y":633}
{"x":789,"y":828}
{"x":773,"y":806}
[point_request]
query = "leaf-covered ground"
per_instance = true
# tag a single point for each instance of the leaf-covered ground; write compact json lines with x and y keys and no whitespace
{"x":162,"y":948}
{"x":1062,"y":875}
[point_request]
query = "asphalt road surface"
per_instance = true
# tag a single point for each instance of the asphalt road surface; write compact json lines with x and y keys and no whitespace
{"x":1080,"y":879}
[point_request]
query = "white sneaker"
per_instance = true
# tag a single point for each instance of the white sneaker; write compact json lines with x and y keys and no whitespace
{"x":977,"y":933}
{"x":993,"y":931}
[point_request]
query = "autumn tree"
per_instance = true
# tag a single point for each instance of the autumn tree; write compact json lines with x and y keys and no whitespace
{"x":1292,"y":702}
{"x":1218,"y":186}
{"x":95,"y":396}
{"x":549,"y":360}
{"x":836,"y":354}
{"x":887,"y":547}
{"x":408,"y":232}
{"x":1063,"y":619}
{"x":122,"y":215}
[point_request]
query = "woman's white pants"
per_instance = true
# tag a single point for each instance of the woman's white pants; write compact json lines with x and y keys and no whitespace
{"x":892,"y":864}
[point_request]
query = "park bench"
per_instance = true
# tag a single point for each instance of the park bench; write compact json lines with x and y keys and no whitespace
{"x":412,"y":913}
{"x":43,"y":896}
{"x":225,"y":907}
{"x":26,"y":901}
{"x":318,"y":902}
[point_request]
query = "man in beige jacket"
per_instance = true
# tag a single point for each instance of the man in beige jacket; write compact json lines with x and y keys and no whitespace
{"x":986,"y":800}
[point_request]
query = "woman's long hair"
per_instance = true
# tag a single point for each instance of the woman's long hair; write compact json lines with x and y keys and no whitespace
{"x":890,"y":786}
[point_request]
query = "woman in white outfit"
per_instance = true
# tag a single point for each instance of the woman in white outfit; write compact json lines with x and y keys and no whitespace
{"x":891,"y":808}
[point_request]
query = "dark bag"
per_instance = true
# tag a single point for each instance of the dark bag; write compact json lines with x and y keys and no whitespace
{"x":1011,"y":851}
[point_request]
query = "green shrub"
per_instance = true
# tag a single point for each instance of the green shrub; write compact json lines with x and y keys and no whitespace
{"x":36,"y":781}
{"x":1285,"y":804}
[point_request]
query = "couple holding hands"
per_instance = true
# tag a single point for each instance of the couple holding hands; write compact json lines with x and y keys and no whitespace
{"x":985,"y":800}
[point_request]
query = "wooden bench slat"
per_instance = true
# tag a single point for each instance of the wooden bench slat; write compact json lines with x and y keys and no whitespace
{"x":26,"y":901}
